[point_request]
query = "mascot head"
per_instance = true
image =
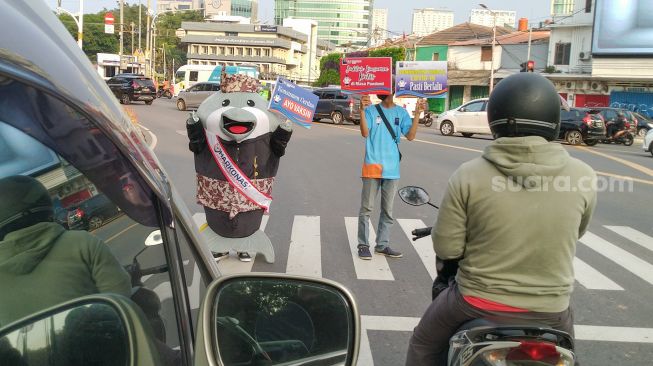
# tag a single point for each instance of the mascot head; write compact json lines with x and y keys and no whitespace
{"x":237,"y":112}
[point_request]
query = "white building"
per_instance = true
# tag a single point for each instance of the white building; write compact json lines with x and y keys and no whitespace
{"x":505,"y":18}
{"x":379,"y":26}
{"x":429,"y":20}
{"x":108,"y":65}
{"x":309,"y":67}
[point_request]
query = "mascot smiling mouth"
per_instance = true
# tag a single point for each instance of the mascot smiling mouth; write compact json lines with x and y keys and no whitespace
{"x":236,"y":127}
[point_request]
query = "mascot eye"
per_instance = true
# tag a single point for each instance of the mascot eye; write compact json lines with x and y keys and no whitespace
{"x":225,"y":102}
{"x":250,"y":103}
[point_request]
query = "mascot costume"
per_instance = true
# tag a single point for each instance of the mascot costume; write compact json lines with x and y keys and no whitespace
{"x":237,"y":144}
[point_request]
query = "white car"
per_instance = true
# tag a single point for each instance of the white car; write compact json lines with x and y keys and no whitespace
{"x":468,"y":119}
{"x":648,"y":142}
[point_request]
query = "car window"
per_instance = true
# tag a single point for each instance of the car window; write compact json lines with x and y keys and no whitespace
{"x":196,"y":88}
{"x":193,"y":75}
{"x":318,"y":93}
{"x":342,"y":96}
{"x":568,"y":115}
{"x":48,"y":203}
{"x":207,"y":87}
{"x":474,"y":107}
{"x":328,"y":95}
{"x":215,"y":87}
{"x":144,"y":82}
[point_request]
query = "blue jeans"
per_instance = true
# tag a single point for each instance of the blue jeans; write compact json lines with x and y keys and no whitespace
{"x":371,"y":188}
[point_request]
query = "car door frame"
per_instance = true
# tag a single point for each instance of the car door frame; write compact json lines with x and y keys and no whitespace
{"x":193,"y":95}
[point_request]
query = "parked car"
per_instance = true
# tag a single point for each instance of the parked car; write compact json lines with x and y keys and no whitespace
{"x":92,"y":213}
{"x":132,"y":87}
{"x":468,"y":119}
{"x":644,"y":124}
{"x":337,"y":106}
{"x":580,"y":125}
{"x":192,"y":97}
{"x":648,"y":142}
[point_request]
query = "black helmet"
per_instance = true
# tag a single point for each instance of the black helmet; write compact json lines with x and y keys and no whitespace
{"x":25,"y":202}
{"x":524,"y":104}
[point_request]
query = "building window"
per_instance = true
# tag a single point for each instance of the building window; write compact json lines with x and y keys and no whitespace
{"x":231,"y":34}
{"x":230,"y":50}
{"x":588,"y":6}
{"x":486,"y":53}
{"x":213,"y":50}
{"x":195,"y":49}
{"x":435,"y":56}
{"x":257,"y":52}
{"x":240,"y":51}
{"x":563,"y":50}
{"x":266,"y":52}
{"x":563,"y":7}
{"x":205,"y":50}
{"x":221,"y":51}
{"x":248,"y":51}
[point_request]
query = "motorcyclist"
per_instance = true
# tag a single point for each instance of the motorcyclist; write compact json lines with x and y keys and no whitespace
{"x":41,"y":263}
{"x":510,"y":222}
{"x":619,"y":124}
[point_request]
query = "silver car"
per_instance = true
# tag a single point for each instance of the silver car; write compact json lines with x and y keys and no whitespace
{"x":648,"y":142}
{"x":192,"y":97}
{"x":468,"y":119}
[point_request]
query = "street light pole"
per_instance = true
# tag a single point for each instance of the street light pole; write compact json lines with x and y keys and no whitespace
{"x":494,"y":41}
{"x":79,"y":20}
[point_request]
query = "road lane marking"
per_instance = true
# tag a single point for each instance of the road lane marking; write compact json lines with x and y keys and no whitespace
{"x":375,"y":269}
{"x":371,"y":322}
{"x":631,"y":263}
{"x":633,"y":235}
{"x":613,"y":334}
{"x":627,"y":163}
{"x":638,"y":180}
{"x":592,"y":279}
{"x":423,"y":246}
{"x":232,"y":264}
{"x":121,"y":232}
{"x":304,"y":253}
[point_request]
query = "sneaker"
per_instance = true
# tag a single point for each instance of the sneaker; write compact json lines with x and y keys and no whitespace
{"x":388,"y":252}
{"x":364,"y":253}
{"x":217,"y":256}
{"x":244,"y":257}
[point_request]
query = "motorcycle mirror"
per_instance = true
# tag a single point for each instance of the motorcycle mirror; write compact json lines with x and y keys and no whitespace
{"x":414,"y":196}
{"x":154,"y":238}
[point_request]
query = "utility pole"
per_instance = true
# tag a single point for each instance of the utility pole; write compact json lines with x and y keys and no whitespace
{"x":140,"y":24}
{"x":530,"y":36}
{"x":80,"y":32}
{"x":132,"y":37}
{"x":122,"y":18}
{"x":147,"y":41}
{"x":494,"y":41}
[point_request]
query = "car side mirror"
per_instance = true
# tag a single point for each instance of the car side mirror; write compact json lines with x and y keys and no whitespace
{"x":463,"y":109}
{"x":276,"y":319}
{"x":92,"y":330}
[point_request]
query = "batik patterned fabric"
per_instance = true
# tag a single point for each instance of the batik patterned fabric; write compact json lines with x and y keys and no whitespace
{"x":220,"y":195}
{"x":238,"y":83}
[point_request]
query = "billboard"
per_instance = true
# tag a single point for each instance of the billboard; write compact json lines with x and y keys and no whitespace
{"x":623,"y":28}
{"x":423,"y":79}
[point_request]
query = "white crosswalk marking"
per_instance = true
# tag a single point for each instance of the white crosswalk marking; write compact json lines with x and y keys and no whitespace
{"x":375,"y":269}
{"x":304,"y":254}
{"x":633,"y":235}
{"x":423,"y":246}
{"x":637,"y":266}
{"x":232,"y":264}
{"x":592,"y":279}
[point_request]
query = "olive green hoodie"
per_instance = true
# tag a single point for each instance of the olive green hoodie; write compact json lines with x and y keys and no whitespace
{"x":44,"y":265}
{"x":514,"y":215}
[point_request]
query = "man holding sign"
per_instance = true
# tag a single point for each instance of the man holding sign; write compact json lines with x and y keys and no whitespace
{"x":382,"y":126}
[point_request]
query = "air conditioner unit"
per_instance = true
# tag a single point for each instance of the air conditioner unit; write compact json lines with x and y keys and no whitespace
{"x":570,"y":85}
{"x":584,"y":56}
{"x":595,"y":85}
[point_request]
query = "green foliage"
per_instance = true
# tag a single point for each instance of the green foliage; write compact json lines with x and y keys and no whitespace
{"x":96,"y":41}
{"x":397,"y":53}
{"x":550,"y":69}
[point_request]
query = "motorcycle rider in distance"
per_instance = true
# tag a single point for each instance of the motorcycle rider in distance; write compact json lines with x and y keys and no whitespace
{"x":617,"y":127}
{"x":511,"y":218}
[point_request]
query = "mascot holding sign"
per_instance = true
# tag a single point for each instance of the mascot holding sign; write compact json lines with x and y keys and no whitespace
{"x":237,"y":145}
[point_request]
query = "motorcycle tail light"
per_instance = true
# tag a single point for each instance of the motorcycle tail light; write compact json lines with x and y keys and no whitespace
{"x":79,"y":213}
{"x":587,"y":120}
{"x":540,"y":353}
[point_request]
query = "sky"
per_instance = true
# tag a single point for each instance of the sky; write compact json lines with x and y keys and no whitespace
{"x":400,"y":15}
